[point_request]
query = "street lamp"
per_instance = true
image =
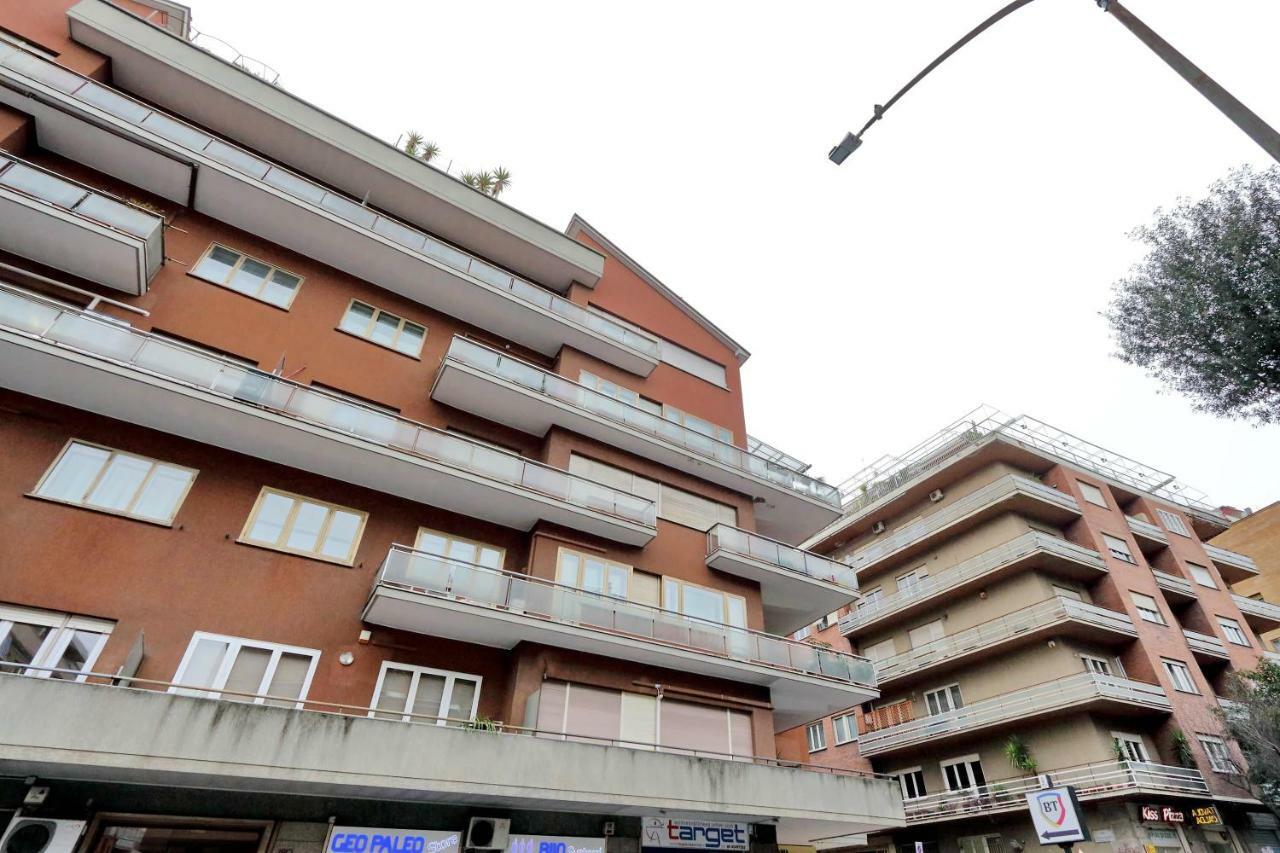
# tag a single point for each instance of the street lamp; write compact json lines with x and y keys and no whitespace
{"x":1244,"y":118}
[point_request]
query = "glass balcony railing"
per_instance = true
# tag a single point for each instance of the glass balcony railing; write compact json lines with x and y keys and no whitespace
{"x":541,"y":600}
{"x":313,"y":195}
{"x":526,"y":375}
{"x":112,"y":340}
{"x":722,"y":537}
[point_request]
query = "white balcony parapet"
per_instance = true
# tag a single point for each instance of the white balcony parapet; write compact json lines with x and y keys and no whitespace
{"x":1173,"y":584}
{"x":1205,"y":644}
{"x":1017,"y":705}
{"x":1264,"y":611}
{"x":1028,"y":621}
{"x":977,"y":567}
{"x":1146,"y":530}
{"x":1231,"y":559}
{"x":538,"y":610}
{"x":1092,"y":782}
{"x":112,"y":340}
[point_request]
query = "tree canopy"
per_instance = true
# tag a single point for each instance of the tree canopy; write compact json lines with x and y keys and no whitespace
{"x":1254,"y":724}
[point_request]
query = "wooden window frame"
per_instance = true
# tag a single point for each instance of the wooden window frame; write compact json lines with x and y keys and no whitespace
{"x":679,"y":609}
{"x":502,"y":552}
{"x":236,"y":266}
{"x":401,"y":322}
{"x":235,"y":644}
{"x":287,"y":527}
{"x":93,"y":484}
{"x":416,"y":672}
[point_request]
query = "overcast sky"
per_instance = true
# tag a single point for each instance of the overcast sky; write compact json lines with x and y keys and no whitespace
{"x":960,"y":257}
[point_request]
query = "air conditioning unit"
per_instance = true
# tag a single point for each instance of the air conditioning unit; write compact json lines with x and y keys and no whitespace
{"x":41,"y":835}
{"x":935,"y":495}
{"x":878,"y":527}
{"x":488,"y":833}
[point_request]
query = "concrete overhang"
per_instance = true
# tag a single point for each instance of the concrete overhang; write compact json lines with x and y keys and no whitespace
{"x":791,"y":600}
{"x":173,"y":73}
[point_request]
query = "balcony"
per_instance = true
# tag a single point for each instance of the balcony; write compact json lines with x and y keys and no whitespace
{"x":1206,"y":648}
{"x":485,"y":382}
{"x":418,"y":592}
{"x":1149,"y":537}
{"x":1177,"y":591}
{"x":1030,"y":550}
{"x":1010,"y":493}
{"x":1055,"y":617}
{"x":1092,"y":782}
{"x":1261,"y":615}
{"x":117,"y":135}
{"x":66,"y":225}
{"x":64,"y":730}
{"x":1232,"y":566}
{"x":796,"y":587}
{"x":1086,"y":691}
{"x":99,"y":364}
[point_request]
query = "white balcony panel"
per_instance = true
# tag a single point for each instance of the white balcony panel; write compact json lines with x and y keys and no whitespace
{"x":1149,"y":537}
{"x":1205,"y":647}
{"x":1234,"y":567}
{"x":1262,"y":615}
{"x":1175,"y":589}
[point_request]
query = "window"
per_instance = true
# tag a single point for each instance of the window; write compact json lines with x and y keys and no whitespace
{"x":97,"y":477}
{"x":697,"y":424}
{"x":1131,"y":746}
{"x":1092,"y":493}
{"x":870,"y":600}
{"x":457,"y":548}
{"x":690,"y":362}
{"x":1118,"y":548}
{"x":963,"y":773}
{"x":1067,"y":592}
{"x":1173,"y":522}
{"x":846,"y":728}
{"x":247,"y":275}
{"x":1201,"y":575}
{"x":944,"y":699}
{"x":383,"y":328}
{"x":912,"y":579}
{"x":1180,"y":676}
{"x":404,"y":692}
{"x":674,"y":505}
{"x":802,"y":633}
{"x":926,"y":633}
{"x":594,"y":574}
{"x":981,"y":844}
{"x":49,"y":640}
{"x":817,"y":736}
{"x":703,"y":602}
{"x":1147,"y":608}
{"x":1102,"y":666}
{"x":237,"y":666}
{"x":298,"y":525}
{"x":1231,"y":628}
{"x":912,"y":782}
{"x":882,"y":650}
{"x":617,"y":392}
{"x":1219,"y":758}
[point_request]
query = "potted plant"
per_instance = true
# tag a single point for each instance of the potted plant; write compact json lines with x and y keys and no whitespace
{"x":1015,"y":749}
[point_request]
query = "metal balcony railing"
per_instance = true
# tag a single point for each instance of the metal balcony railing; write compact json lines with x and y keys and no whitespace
{"x":1231,"y":558}
{"x":1000,"y":630}
{"x":1205,"y":643}
{"x":1092,"y":781}
{"x":753,"y":546}
{"x":1014,"y":706}
{"x":545,"y":601}
{"x":992,"y":492}
{"x":502,"y":366}
{"x":975,"y":567}
{"x":1173,"y":583}
{"x":111,"y":339}
{"x":313,"y":195}
{"x":1254,"y":607}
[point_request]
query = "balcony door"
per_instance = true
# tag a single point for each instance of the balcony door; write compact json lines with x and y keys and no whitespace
{"x":964,"y":773}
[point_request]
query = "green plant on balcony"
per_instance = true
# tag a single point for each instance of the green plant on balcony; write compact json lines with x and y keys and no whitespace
{"x":1019,"y":755}
{"x":415,"y":145}
{"x":481,"y":724}
{"x":1182,"y":749}
{"x":1117,"y":749}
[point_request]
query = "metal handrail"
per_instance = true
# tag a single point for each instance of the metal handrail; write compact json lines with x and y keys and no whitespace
{"x":744,"y":543}
{"x":1234,"y":558}
{"x":536,"y":598}
{"x":320,"y":198}
{"x":506,"y":367}
{"x":244,"y":62}
{"x":119,"y":343}
{"x":9,"y":163}
{"x":1204,"y":642}
{"x":975,"y":567}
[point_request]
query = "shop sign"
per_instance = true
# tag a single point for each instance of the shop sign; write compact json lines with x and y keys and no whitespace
{"x":1055,"y":814}
{"x":1206,"y":816}
{"x":1161,"y":814}
{"x":553,"y":844}
{"x":364,"y":839}
{"x":675,"y":833}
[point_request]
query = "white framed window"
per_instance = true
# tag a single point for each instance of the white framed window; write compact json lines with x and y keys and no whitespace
{"x":692,"y":363}
{"x":697,"y":424}
{"x":981,"y":844}
{"x":824,"y":623}
{"x":1092,"y":493}
{"x":1173,"y":522}
{"x":803,"y":633}
{"x":845,"y":727}
{"x":912,"y":579}
{"x":943,"y":699}
{"x":1219,"y":756}
{"x":1102,"y":666}
{"x":1131,"y":746}
{"x":1201,"y":575}
{"x":880,"y":651}
{"x":674,"y":505}
{"x":816,"y":734}
{"x":1118,"y":548}
{"x":926,"y":633}
{"x":1180,"y":676}
{"x":870,"y":600}
{"x":249,"y":276}
{"x":456,"y":548}
{"x":912,"y":781}
{"x":1147,"y":608}
{"x":404,"y":692}
{"x":383,"y":328}
{"x":291,"y":523}
{"x":222,"y":667}
{"x":963,"y":773}
{"x":97,"y":477}
{"x":595,"y":574}
{"x":34,"y":642}
{"x":1234,"y":633}
{"x":703,"y":602}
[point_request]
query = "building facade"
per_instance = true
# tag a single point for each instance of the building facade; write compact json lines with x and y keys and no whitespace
{"x":1037,"y":605}
{"x":1257,"y":535}
{"x":345,"y":506}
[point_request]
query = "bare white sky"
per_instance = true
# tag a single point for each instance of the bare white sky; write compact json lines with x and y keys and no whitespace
{"x":960,"y":257}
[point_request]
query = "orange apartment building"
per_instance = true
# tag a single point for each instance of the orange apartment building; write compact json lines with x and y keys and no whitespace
{"x":1041,"y":610}
{"x":349,"y":510}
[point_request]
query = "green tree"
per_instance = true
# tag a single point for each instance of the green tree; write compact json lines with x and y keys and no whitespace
{"x":1254,"y":724}
{"x":1202,"y":311}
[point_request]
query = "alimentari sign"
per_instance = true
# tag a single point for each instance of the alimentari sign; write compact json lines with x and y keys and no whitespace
{"x":675,"y":833}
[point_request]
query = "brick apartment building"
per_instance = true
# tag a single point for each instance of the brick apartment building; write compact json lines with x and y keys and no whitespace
{"x":347,"y":508}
